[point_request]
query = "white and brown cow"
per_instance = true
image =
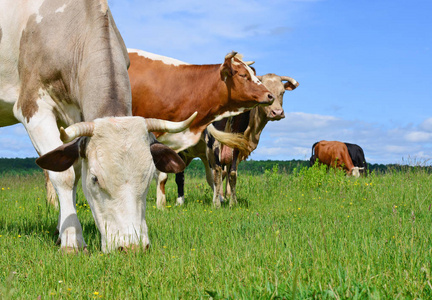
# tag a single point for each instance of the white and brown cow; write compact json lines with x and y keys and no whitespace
{"x":64,"y":63}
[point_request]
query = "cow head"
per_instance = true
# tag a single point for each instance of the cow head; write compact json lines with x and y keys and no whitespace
{"x":119,"y":157}
{"x":356,"y":171}
{"x":277,"y":87}
{"x":243,"y":86}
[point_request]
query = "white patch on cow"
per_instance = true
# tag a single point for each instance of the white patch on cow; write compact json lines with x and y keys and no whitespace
{"x":160,"y":195}
{"x":249,"y":69}
{"x":166,"y":60}
{"x":38,"y":18}
{"x":229,"y":114}
{"x":104,"y":6}
{"x":61,"y":9}
{"x":355,"y":172}
{"x":181,"y":140}
{"x":180,"y":200}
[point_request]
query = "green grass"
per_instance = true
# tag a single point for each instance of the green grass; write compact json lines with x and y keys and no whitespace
{"x":306,"y":235}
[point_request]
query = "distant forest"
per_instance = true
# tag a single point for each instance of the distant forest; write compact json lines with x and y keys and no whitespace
{"x":196,"y":168}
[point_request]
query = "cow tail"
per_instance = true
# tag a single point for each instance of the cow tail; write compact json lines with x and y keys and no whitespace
{"x":232,"y":140}
{"x":313,"y":158}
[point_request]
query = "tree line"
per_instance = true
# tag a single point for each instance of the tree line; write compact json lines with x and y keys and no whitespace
{"x":196,"y":168}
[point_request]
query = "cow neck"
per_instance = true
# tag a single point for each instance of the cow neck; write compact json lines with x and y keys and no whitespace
{"x":257,"y":122}
{"x":102,"y":75}
{"x":210,"y":96}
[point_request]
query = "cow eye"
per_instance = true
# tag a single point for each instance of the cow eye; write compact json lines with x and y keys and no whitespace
{"x":94,"y":179}
{"x":243,"y":75}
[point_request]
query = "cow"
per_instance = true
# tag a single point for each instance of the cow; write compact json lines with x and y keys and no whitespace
{"x":358,"y":158}
{"x":334,"y":154}
{"x":215,"y":155}
{"x":166,"y":88}
{"x":63,"y":63}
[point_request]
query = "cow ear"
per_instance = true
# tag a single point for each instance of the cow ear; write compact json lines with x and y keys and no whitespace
{"x":227,"y":70}
{"x":289,"y":86}
{"x":166,"y":159}
{"x":61,"y":158}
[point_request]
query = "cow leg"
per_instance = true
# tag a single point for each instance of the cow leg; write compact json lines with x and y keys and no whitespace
{"x":51,"y":193}
{"x":43,"y":132}
{"x":213,"y":168}
{"x":160,"y":190}
{"x":227,"y":185}
{"x":218,"y":185}
{"x":209,"y":172}
{"x":180,"y":180}
{"x":232,"y":178}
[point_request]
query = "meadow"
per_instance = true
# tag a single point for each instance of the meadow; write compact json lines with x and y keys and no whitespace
{"x":306,"y":234}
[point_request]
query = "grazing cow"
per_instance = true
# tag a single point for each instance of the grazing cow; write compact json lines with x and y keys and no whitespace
{"x":215,"y":156}
{"x":64,"y":63}
{"x":334,"y":154}
{"x":358,"y":158}
{"x":169,"y":89}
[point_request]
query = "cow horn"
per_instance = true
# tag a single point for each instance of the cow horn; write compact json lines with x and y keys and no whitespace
{"x":231,"y":55}
{"x":292,"y":80}
{"x":249,"y":63}
{"x":168,"y":126}
{"x":76,"y":130}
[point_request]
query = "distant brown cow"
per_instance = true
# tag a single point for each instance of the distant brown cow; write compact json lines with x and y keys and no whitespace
{"x":334,"y":154}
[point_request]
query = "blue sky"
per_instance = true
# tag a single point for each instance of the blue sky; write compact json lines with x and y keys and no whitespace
{"x":364,"y":67}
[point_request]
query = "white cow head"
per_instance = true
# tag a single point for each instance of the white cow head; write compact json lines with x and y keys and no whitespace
{"x":119,"y":157}
{"x":277,"y":87}
{"x":356,"y":171}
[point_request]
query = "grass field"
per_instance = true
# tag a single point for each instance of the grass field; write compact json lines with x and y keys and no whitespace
{"x":305,"y":235}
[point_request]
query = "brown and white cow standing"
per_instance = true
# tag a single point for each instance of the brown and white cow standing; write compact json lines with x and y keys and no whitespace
{"x":216,"y":156}
{"x":64,"y":63}
{"x":334,"y":154}
{"x":166,"y":88}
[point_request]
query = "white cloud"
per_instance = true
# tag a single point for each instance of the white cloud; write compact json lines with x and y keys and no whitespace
{"x":426,"y":125}
{"x":418,"y":136}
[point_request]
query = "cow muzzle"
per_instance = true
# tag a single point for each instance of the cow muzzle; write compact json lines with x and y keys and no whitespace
{"x":276,"y":114}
